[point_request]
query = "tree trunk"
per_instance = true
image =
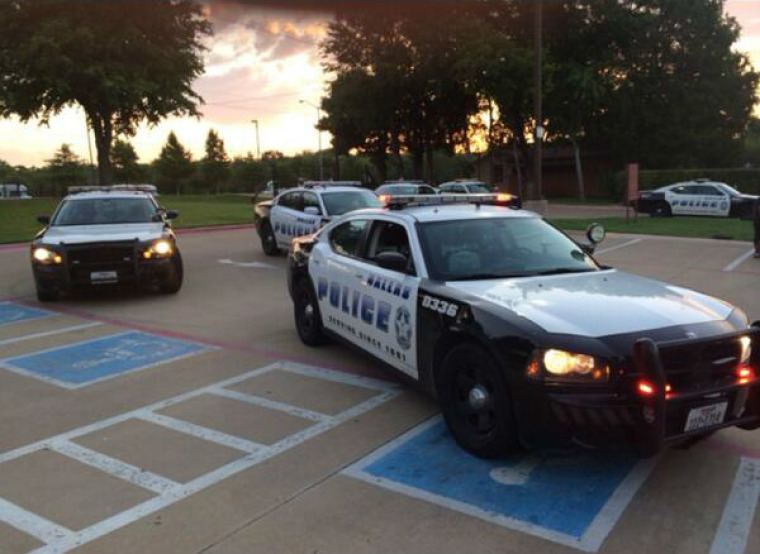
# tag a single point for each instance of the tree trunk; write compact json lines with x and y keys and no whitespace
{"x":579,"y":170}
{"x":336,"y":170}
{"x":417,"y":162}
{"x":518,"y":170}
{"x":102,"y":128}
{"x":429,"y":151}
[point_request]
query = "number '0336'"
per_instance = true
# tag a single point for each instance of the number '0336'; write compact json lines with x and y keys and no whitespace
{"x":440,"y":306}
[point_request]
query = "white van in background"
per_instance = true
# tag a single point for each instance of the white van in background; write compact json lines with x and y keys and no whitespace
{"x":14,"y":191}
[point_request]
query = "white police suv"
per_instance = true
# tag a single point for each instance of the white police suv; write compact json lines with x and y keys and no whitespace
{"x":523,"y":337}
{"x":102,"y":236}
{"x":303,"y":210}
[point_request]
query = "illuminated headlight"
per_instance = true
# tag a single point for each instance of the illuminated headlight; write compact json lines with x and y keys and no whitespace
{"x":159,"y":249}
{"x":46,"y":256}
{"x":560,"y":365}
{"x":746,"y":350}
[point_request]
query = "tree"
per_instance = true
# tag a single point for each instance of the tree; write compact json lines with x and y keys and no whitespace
{"x":174,"y":165}
{"x":122,"y":61}
{"x":216,"y":164}
{"x":66,"y":168}
{"x":124,"y":161}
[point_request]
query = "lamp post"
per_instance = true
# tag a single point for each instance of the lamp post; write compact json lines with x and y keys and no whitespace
{"x":258,"y":141}
{"x":319,"y":137}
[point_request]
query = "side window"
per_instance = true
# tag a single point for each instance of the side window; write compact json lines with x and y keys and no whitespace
{"x":390,"y":237}
{"x":292,"y":200}
{"x":425,"y":190}
{"x":346,"y":239}
{"x":310,"y":200}
{"x":445,"y":188}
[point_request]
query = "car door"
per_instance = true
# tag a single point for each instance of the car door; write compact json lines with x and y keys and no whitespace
{"x":283,"y":216}
{"x":310,"y":220}
{"x":372,"y":307}
{"x":681,"y":199}
{"x":717,"y":203}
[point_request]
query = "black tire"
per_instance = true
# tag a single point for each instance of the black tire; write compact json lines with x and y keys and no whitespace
{"x":661,"y":209}
{"x":486,"y":430}
{"x":307,"y":315}
{"x":268,"y":240}
{"x":47,"y":295}
{"x":173,"y":282}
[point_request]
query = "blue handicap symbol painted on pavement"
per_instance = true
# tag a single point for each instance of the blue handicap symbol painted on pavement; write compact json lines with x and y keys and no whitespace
{"x":11,"y":312}
{"x":572,"y":499}
{"x":93,"y":360}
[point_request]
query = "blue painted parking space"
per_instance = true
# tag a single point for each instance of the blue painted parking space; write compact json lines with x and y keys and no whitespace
{"x":573,"y":499}
{"x":84,"y":363}
{"x":10,"y":312}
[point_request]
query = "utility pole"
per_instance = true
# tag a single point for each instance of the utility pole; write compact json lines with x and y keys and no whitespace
{"x":319,"y":137}
{"x":89,"y":148}
{"x":258,"y":141}
{"x":536,"y":192}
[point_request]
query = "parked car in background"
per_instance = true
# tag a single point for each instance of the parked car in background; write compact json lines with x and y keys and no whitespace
{"x":304,"y":210}
{"x":700,"y":197}
{"x":467,"y":186}
{"x":402,"y":188}
{"x":14,"y":191}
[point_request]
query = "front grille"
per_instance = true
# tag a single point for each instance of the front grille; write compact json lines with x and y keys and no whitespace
{"x":99,"y":255}
{"x":690,"y":367}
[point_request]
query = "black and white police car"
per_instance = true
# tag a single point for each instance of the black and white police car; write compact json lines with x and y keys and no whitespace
{"x":100,"y":236}
{"x":524,"y":338}
{"x":701,"y":197}
{"x":303,"y":210}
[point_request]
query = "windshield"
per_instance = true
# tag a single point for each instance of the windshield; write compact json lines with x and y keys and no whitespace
{"x":478,"y":188}
{"x":339,"y":203}
{"x":105,"y":211}
{"x":731,"y":191}
{"x":498,"y":248}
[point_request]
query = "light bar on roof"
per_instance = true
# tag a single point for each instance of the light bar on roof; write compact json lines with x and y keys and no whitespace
{"x":404,"y":200}
{"x":114,"y":188}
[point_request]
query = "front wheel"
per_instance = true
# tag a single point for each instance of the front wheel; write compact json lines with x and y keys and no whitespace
{"x":268,"y":240}
{"x":47,"y":295}
{"x":307,"y":316}
{"x":475,"y":402}
{"x":173,"y":281}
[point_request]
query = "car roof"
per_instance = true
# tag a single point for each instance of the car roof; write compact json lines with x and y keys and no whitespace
{"x":450,"y":212}
{"x":325,"y":190}
{"x":108,"y":194}
{"x":402,"y":184}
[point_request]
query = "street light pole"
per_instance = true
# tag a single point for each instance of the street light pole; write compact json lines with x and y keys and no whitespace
{"x":536,"y":192}
{"x":319,"y":137}
{"x":258,"y":141}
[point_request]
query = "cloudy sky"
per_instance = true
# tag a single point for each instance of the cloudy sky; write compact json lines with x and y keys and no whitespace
{"x":260,"y":63}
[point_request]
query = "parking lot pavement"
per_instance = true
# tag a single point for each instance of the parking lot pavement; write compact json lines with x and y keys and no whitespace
{"x":137,"y":422}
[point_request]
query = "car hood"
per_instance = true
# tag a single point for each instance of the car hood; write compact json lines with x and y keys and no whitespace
{"x":78,"y":234}
{"x":598,"y":304}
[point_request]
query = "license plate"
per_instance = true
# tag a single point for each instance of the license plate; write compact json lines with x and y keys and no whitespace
{"x":705,"y":416}
{"x":104,"y":276}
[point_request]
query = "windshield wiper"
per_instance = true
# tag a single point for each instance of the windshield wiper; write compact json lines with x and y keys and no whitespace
{"x":563,"y":270}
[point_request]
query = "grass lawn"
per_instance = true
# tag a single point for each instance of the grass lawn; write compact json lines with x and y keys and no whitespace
{"x":702,"y":227}
{"x":18,"y":218}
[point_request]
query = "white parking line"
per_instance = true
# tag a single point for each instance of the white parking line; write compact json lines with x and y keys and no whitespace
{"x":51,"y":333}
{"x":112,"y":466}
{"x":739,"y":261}
{"x":272,"y":404}
{"x":31,"y":524}
{"x":736,"y":523}
{"x":618,"y":246}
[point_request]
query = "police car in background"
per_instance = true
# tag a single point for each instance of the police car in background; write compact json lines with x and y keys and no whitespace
{"x":303,"y":210}
{"x":101,"y":236}
{"x":387,"y":191}
{"x":468,"y":186}
{"x":700,"y":197}
{"x":523,"y":337}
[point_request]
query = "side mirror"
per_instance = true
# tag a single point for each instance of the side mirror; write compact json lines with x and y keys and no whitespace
{"x":44,"y":219}
{"x":595,"y":233}
{"x":394,"y":261}
{"x":312,"y":210}
{"x":171,"y":214}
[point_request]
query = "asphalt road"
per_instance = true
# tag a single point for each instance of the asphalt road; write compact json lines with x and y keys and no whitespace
{"x":136,"y":422}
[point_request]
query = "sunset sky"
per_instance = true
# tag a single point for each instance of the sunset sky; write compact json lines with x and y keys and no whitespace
{"x":260,"y":63}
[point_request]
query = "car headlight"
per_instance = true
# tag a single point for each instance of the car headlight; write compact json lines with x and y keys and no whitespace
{"x":159,"y":249}
{"x":559,"y":365}
{"x":46,"y":256}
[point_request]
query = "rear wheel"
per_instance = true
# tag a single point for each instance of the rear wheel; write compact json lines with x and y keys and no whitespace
{"x":475,"y":402}
{"x":661,"y":210}
{"x":268,"y":240}
{"x":307,"y":316}
{"x":173,"y":281}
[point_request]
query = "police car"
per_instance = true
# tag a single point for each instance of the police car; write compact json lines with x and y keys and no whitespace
{"x":468,"y":186}
{"x":700,"y":197}
{"x":100,"y":236}
{"x":524,"y":338}
{"x":303,"y":210}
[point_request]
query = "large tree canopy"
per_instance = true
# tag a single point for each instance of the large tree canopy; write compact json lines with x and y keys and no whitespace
{"x":122,"y":61}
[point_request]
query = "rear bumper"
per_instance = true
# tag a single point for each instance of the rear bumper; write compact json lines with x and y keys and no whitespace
{"x":550,"y":416}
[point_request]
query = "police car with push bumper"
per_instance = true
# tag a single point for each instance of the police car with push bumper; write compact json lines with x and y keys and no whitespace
{"x":524,"y":338}
{"x":303,"y":210}
{"x":104,"y":235}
